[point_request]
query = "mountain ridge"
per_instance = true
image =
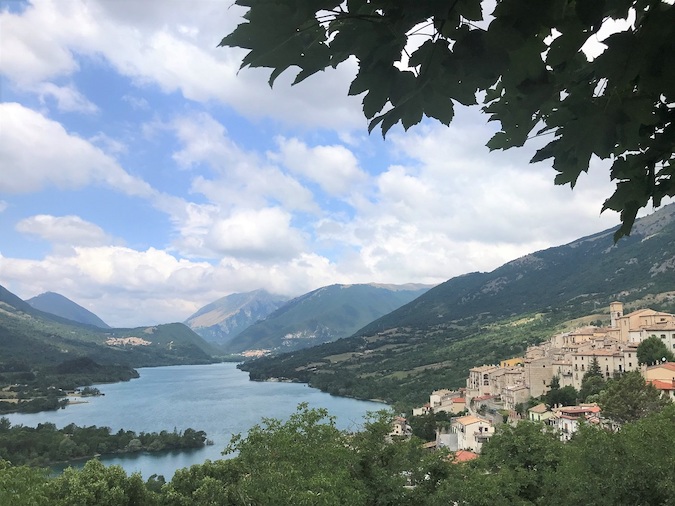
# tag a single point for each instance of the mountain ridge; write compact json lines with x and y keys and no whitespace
{"x":485,"y":317}
{"x":59,"y":305}
{"x":222,"y":320}
{"x":323,"y":315}
{"x":34,"y":337}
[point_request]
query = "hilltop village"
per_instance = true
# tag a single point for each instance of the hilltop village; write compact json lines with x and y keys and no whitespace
{"x":501,"y":393}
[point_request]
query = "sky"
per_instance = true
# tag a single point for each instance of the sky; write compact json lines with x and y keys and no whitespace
{"x":143,"y":175}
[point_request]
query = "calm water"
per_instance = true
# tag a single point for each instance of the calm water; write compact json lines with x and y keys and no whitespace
{"x":217,"y":398}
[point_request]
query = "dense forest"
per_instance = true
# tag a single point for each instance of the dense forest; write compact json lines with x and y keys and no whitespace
{"x":45,"y":444}
{"x":308,"y":461}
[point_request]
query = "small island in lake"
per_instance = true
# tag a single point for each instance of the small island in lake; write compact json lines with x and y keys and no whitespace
{"x":45,"y":444}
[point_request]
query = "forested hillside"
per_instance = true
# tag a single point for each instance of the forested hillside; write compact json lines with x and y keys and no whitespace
{"x":57,"y":304}
{"x":485,"y":317}
{"x":323,"y":315}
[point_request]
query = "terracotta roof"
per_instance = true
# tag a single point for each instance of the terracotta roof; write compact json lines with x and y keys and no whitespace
{"x":667,"y":365}
{"x":464,"y":456}
{"x":459,"y":399}
{"x":539,"y":408}
{"x":469,"y":419}
{"x":640,"y":311}
{"x":578,"y":409}
{"x":659,"y":326}
{"x":663,"y":385}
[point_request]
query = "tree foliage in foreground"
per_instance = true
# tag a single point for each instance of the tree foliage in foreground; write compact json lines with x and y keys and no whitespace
{"x":628,"y":398}
{"x":527,"y":68}
{"x":653,"y":350}
{"x":308,"y":461}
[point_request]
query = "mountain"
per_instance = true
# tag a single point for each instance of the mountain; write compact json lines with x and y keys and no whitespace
{"x":479,"y":318}
{"x":580,"y":276}
{"x":35,"y":338}
{"x":323,"y":315}
{"x":57,"y":304}
{"x":222,"y":320}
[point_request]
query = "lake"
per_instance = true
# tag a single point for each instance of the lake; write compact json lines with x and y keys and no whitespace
{"x":216,"y":398}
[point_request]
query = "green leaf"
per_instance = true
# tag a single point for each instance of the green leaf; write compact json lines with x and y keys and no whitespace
{"x":470,"y":9}
{"x":439,"y":107}
{"x":374,"y":101}
{"x":499,"y":141}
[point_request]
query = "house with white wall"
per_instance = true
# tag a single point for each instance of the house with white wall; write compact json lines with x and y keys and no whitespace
{"x":472,"y":432}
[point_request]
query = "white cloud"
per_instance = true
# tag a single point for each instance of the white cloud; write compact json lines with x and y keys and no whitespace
{"x":264,"y":234}
{"x":450,"y":207}
{"x":240,"y":178}
{"x":66,"y":230}
{"x":334,"y":168}
{"x":108,"y":144}
{"x":36,"y":43}
{"x":3,"y":205}
{"x":67,"y":98}
{"x":173,"y":48}
{"x":127,"y":287}
{"x":38,"y":152}
{"x":436,"y":205}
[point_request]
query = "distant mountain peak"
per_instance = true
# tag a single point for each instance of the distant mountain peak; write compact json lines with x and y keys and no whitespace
{"x":57,"y":304}
{"x":323,"y":315}
{"x":222,"y":320}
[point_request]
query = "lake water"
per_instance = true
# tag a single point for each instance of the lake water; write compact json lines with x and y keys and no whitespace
{"x":216,"y":398}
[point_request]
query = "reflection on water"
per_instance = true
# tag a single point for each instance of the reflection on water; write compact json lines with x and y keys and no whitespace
{"x":216,"y":398}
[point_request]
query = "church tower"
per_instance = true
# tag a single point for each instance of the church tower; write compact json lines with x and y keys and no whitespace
{"x":615,"y":312}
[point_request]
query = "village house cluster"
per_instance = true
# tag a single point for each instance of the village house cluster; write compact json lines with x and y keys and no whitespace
{"x":493,"y":390}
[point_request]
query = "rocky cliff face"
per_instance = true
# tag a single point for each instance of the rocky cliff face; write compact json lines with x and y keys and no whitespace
{"x":224,"y":319}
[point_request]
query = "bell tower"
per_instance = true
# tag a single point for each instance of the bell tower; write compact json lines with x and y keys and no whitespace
{"x":615,"y":312}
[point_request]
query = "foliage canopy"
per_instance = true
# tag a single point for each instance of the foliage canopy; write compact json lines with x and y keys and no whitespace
{"x":628,"y":398}
{"x":308,"y":461}
{"x":527,"y":64}
{"x":653,"y":350}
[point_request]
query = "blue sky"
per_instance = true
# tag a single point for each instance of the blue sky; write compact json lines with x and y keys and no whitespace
{"x":143,"y":176}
